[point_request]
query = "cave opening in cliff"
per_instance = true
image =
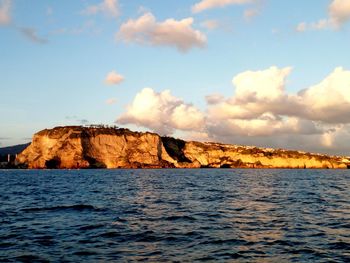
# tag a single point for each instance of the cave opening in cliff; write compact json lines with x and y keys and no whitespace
{"x":54,"y":163}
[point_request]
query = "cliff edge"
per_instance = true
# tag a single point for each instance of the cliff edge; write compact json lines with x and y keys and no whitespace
{"x":74,"y":147}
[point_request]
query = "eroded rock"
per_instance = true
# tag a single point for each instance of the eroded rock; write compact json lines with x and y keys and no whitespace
{"x":75,"y":147}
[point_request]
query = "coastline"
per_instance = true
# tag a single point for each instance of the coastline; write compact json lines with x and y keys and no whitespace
{"x":78,"y":147}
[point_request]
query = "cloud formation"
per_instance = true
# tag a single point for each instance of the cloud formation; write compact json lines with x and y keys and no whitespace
{"x":319,"y":25}
{"x":264,"y":112}
{"x":259,"y":92}
{"x":171,"y":32}
{"x":210,"y":4}
{"x":162,"y":112}
{"x":214,"y":98}
{"x":328,"y":101}
{"x":261,"y":112}
{"x":338,"y":14}
{"x":114,"y":78}
{"x":5,"y":12}
{"x":339,"y":11}
{"x":108,"y":7}
{"x":28,"y":32}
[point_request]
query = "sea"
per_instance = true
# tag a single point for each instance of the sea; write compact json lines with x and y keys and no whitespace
{"x":175,"y":215}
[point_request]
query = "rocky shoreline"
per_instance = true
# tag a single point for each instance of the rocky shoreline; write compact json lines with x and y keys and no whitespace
{"x":77,"y":147}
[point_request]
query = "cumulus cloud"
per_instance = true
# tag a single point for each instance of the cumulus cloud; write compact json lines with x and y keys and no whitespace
{"x":261,"y":112}
{"x":32,"y":35}
{"x":259,"y":92}
{"x":328,"y":101}
{"x":261,"y":109}
{"x":5,"y":12}
{"x":210,"y":4}
{"x":338,"y":14}
{"x":162,"y":112}
{"x":107,"y":7}
{"x":339,"y":11}
{"x":256,"y":92}
{"x":267,"y":84}
{"x":214,"y":98}
{"x":114,"y":78}
{"x":267,"y":124}
{"x":171,"y":32}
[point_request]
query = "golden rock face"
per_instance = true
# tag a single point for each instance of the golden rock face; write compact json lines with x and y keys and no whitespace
{"x":76,"y":147}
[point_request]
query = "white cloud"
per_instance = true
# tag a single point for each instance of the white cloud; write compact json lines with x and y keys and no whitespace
{"x":113,"y":78}
{"x":259,"y":92}
{"x":210,"y":4}
{"x":261,"y":112}
{"x":5,"y":9}
{"x":162,"y":112}
{"x":266,"y":85}
{"x":196,"y":136}
{"x":328,"y":101}
{"x":107,"y":7}
{"x":338,"y":14}
{"x":267,"y":124}
{"x":256,"y":93}
{"x":339,"y":11}
{"x":261,"y":109}
{"x":171,"y":32}
{"x":327,"y":139}
{"x":334,"y":140}
{"x":214,"y":98}
{"x":322,"y":24}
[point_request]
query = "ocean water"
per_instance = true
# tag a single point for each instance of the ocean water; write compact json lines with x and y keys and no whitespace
{"x":208,"y":215}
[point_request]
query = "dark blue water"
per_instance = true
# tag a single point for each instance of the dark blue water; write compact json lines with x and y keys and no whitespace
{"x":175,"y":215}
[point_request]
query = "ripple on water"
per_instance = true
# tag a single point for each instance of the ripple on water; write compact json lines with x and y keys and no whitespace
{"x":175,"y":215}
{"x":80,"y":207}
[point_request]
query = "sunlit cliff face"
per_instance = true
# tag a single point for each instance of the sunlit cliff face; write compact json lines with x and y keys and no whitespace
{"x":79,"y":147}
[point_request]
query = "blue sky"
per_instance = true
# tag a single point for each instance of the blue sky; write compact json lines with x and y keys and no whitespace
{"x":55,"y":56}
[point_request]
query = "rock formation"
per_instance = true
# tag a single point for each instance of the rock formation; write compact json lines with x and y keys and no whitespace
{"x":95,"y":147}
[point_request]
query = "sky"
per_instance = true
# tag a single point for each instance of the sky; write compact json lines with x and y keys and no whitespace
{"x":268,"y":73}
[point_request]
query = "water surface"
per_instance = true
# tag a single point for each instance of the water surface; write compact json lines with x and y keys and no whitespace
{"x":175,"y":215}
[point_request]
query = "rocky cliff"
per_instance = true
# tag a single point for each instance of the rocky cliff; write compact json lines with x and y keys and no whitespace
{"x":95,"y":147}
